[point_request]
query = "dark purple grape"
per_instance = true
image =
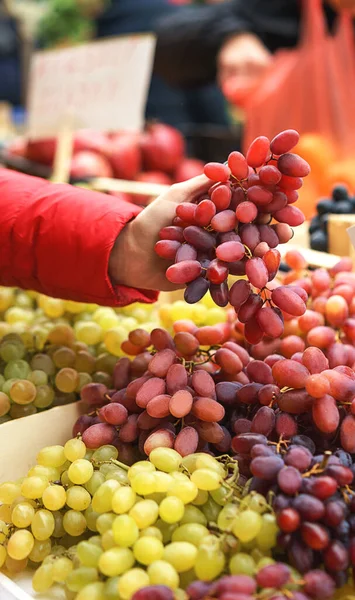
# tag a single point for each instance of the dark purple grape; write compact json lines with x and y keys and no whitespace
{"x":198,"y":590}
{"x":266,"y":467}
{"x":335,"y":512}
{"x":319,"y":585}
{"x":219,"y":294}
{"x":261,"y":450}
{"x":226,"y":392}
{"x":244,"y":442}
{"x":289,"y":480}
{"x":263,"y":420}
{"x":273,"y":576}
{"x":298,"y":457}
{"x":336,"y":557}
{"x":154,"y":592}
{"x":196,"y":290}
{"x":199,"y":238}
{"x":310,"y":508}
{"x":280,"y":502}
{"x":304,"y":440}
{"x":300,"y":556}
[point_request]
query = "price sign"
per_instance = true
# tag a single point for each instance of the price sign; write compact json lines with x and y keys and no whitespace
{"x":102,"y":85}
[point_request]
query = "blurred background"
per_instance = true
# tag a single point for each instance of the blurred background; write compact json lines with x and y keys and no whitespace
{"x":224,"y":72}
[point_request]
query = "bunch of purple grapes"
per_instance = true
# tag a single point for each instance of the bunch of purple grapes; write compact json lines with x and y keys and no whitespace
{"x":229,"y":232}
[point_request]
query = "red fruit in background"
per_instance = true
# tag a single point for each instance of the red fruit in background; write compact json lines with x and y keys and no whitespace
{"x":150,"y":177}
{"x":90,"y":164}
{"x":189,"y":168}
{"x":88,"y":139}
{"x":122,"y":196}
{"x":41,"y":151}
{"x":163,"y":148}
{"x":124,"y":154}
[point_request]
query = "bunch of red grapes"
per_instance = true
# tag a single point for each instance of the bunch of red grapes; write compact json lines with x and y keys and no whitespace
{"x":228,"y":231}
{"x":317,"y":585}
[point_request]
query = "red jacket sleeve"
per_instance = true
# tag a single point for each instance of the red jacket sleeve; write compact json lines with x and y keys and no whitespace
{"x":57,"y":239}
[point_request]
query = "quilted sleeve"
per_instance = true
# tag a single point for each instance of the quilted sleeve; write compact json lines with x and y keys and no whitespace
{"x":57,"y":239}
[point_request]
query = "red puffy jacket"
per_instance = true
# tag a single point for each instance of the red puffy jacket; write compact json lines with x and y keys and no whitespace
{"x":57,"y":239}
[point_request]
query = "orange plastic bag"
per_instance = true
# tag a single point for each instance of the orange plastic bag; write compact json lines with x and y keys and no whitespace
{"x":310,"y":88}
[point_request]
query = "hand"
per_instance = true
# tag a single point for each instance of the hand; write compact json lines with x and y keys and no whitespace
{"x":133,"y":261}
{"x":242,"y":58}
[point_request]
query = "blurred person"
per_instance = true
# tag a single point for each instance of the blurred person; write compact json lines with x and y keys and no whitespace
{"x":75,"y":244}
{"x":233,"y":40}
{"x":177,"y":107}
{"x":10,"y":58}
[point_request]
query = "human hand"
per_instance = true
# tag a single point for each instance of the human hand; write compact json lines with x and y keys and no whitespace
{"x":133,"y":261}
{"x":342,"y":4}
{"x":242,"y":60}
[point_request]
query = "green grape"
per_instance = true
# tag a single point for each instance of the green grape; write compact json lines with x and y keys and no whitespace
{"x":84,"y":362}
{"x":34,"y":486}
{"x":179,"y":476}
{"x":22,"y":514}
{"x":144,"y":483}
{"x":165,"y":459}
{"x":5,"y":512}
{"x":78,"y":498}
{"x":111,"y":587}
{"x":42,"y":525}
{"x":4,"y":531}
{"x":12,"y":351}
{"x":9,"y":491}
{"x":53,"y":307}
{"x":206,"y":479}
{"x":148,"y":549}
{"x":185,"y":490}
{"x":94,"y":482}
{"x":265,"y":561}
{"x":64,"y":478}
{"x":267,"y":536}
{"x":247,"y":525}
{"x":88,"y":553}
{"x":181,"y":555}
{"x":7,"y":386}
{"x":220,"y":496}
{"x":3,"y":555}
{"x":138,"y":467}
{"x":131,"y":582}
{"x":105,"y":453}
{"x":42,"y":580}
{"x":64,"y":357}
{"x":185,"y":579}
{"x":74,"y":523}
{"x":255,"y":502}
{"x":107,"y":540}
{"x":7,"y":296}
{"x":166,"y":530}
{"x":163,"y":573}
{"x":201,"y":498}
{"x":43,"y":362}
{"x":163,"y":481}
{"x":116,"y":561}
{"x":102,"y":499}
{"x":54,"y":497}
{"x":211,"y":510}
{"x":59,"y":530}
{"x":106,"y":362}
{"x":39,"y":377}
{"x":96,"y":540}
{"x":90,"y":333}
{"x":104,"y":378}
{"x":210,"y":560}
{"x":193,"y":533}
{"x":5,"y":419}
{"x":80,"y":471}
{"x":20,"y":544}
{"x":92,"y":591}
{"x":104,"y":522}
{"x":80,"y":577}
{"x":84,"y":379}
{"x":91,"y":518}
{"x":125,"y":530}
{"x":74,"y":449}
{"x":113,"y":339}
{"x":123,"y":499}
{"x":205,"y":461}
{"x":44,"y":397}
{"x":62,"y":566}
{"x":15,"y":566}
{"x":152,"y":532}
{"x":51,"y":456}
{"x":40,"y":550}
{"x":193,"y":514}
{"x":226,"y":517}
{"x":23,"y":391}
{"x":145,"y":513}
{"x":171,"y":509}
{"x":18,"y":411}
{"x":66,"y":380}
{"x":242,"y":564}
{"x":17,"y":369}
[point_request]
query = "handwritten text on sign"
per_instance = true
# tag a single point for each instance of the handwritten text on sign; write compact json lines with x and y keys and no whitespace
{"x":102,"y":85}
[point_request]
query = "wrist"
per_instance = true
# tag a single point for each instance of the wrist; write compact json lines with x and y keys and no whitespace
{"x":119,"y":263}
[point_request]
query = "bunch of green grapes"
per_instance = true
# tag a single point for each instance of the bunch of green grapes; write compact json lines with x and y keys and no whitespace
{"x":105,"y":530}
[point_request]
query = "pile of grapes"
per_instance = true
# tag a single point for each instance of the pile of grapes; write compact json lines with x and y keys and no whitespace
{"x":107,"y":531}
{"x":229,"y":232}
{"x":341,"y":203}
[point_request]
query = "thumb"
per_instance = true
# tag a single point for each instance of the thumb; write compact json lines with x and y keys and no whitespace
{"x":189,"y":190}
